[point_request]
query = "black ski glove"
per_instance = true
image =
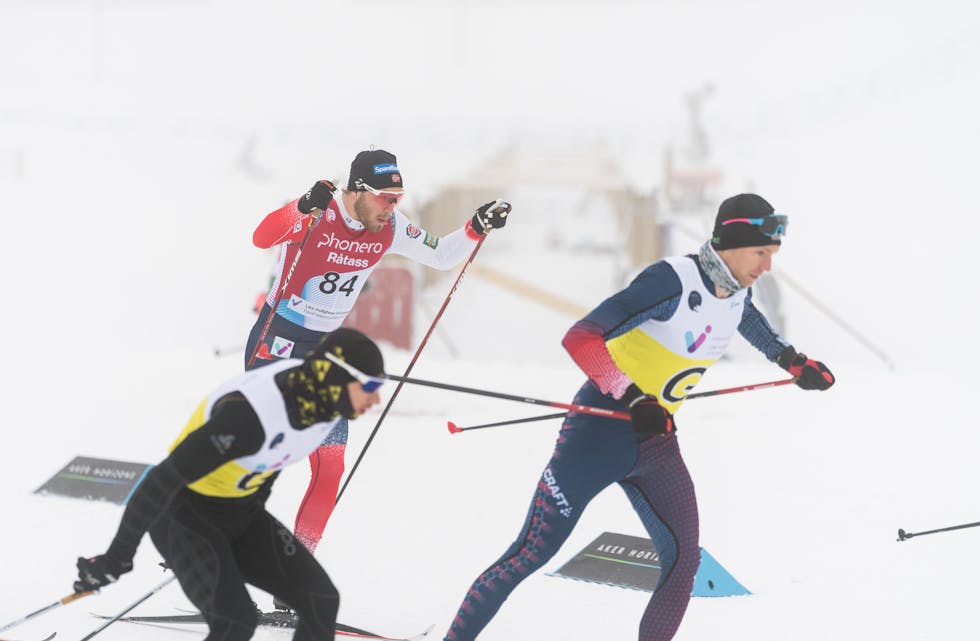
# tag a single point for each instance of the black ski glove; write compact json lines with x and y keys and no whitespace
{"x":646,"y":414}
{"x":318,"y":197}
{"x":810,"y":374}
{"x":99,"y":571}
{"x":492,"y":215}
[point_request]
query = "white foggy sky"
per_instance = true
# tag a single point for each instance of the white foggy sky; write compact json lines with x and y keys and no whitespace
{"x":857,"y":118}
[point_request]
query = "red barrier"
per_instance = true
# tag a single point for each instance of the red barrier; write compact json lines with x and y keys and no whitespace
{"x":383,"y":311}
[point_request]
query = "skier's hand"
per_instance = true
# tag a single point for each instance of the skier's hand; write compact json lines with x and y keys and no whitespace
{"x":99,"y":571}
{"x":492,"y":215}
{"x":318,"y":197}
{"x":810,"y":374}
{"x":646,"y":414}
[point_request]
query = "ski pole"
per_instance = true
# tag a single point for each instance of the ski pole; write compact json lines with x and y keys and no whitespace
{"x":453,"y":429}
{"x":585,"y":409}
{"x":729,"y":390}
{"x":285,"y":282}
{"x":135,"y":603}
{"x":742,"y":388}
{"x":903,"y":535}
{"x":60,"y":602}
{"x":418,"y":351}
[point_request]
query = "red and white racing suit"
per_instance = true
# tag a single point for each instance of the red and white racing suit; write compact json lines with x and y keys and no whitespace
{"x":333,"y":268}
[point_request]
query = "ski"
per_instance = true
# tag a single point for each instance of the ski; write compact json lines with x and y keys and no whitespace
{"x":47,"y":638}
{"x":274,"y":619}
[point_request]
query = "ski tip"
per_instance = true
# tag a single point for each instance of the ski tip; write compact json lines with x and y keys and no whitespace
{"x":452,"y":428}
{"x":424,"y":634}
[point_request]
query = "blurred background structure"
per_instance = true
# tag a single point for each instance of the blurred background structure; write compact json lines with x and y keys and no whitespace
{"x":143,"y":140}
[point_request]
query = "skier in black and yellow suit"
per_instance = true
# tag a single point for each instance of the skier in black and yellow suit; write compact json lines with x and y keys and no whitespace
{"x":204,"y":505}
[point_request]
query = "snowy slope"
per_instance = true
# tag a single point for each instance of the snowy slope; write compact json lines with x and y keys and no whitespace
{"x":132,"y":171}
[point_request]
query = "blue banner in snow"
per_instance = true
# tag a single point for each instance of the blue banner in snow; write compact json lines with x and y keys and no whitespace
{"x":632,"y":562}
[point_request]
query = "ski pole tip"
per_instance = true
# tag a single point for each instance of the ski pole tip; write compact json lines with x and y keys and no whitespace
{"x":452,"y":428}
{"x":902,"y":535}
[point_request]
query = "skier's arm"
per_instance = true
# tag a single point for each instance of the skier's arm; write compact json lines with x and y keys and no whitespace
{"x":445,"y":252}
{"x":200,"y":453}
{"x":278,"y":226}
{"x":654,"y":293}
{"x":286,"y":222}
{"x":756,"y":329}
{"x":810,"y":374}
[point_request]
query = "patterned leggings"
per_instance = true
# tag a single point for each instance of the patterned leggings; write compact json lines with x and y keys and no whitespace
{"x":592,"y":453}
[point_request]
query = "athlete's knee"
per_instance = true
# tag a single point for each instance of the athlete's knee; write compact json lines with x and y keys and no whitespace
{"x":318,"y":612}
{"x":679,"y":559}
{"x":688,"y":560}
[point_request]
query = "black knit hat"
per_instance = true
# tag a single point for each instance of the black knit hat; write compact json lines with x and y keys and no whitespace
{"x":742,"y":234}
{"x":352,"y":347}
{"x":377,"y":168}
{"x":317,"y":389}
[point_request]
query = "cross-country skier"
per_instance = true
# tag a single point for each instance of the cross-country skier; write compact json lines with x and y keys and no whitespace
{"x":644,"y":349}
{"x":349,"y":237}
{"x":204,"y":505}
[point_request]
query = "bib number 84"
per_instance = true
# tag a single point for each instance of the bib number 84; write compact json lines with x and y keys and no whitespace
{"x":330,"y":285}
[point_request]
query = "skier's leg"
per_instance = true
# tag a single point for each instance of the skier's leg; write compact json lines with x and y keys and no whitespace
{"x":201,"y":558}
{"x":272,"y":559}
{"x":661,"y":491}
{"x":589,"y":455}
{"x":326,"y":469}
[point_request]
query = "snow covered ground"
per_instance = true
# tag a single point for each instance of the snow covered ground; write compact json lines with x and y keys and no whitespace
{"x":140,"y":143}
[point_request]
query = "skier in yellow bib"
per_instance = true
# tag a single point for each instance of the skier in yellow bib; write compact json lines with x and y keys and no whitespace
{"x":204,"y":505}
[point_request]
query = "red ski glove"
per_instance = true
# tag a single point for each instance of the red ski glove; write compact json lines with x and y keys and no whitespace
{"x":810,"y":374}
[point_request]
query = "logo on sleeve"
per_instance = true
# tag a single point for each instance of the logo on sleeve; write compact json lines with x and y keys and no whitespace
{"x":431,"y":240}
{"x":413,"y":232}
{"x":222,"y":442}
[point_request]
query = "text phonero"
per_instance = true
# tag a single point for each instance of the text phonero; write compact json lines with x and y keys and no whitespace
{"x":330,"y":240}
